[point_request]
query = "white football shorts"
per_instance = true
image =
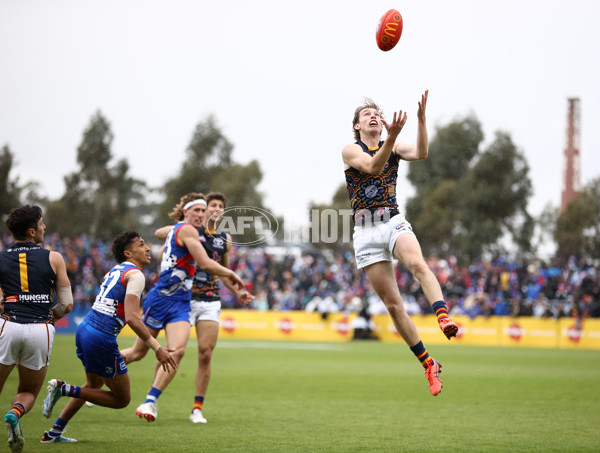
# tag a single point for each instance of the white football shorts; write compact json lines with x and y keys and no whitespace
{"x":375,"y":243}
{"x":205,"y":311}
{"x":28,"y":344}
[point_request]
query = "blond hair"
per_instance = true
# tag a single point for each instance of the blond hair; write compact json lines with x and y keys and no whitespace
{"x":177,"y":212}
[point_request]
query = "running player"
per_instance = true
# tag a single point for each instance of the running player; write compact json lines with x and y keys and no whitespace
{"x":117,"y":304}
{"x":167,"y":305}
{"x":29,"y":277}
{"x":381,"y":231}
{"x":206,"y":302}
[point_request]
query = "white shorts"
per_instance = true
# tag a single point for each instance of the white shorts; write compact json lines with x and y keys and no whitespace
{"x":205,"y":311}
{"x":28,"y":344}
{"x":375,"y":243}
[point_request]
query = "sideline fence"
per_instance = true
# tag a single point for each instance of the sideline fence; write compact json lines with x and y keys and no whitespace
{"x":480,"y":331}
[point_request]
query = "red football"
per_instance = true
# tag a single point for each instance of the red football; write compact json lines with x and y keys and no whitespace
{"x":389,"y":30}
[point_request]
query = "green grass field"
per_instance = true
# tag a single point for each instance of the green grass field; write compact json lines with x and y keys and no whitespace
{"x":343,"y":397}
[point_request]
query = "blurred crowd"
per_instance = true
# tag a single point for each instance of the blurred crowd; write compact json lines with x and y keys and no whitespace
{"x":297,"y":279}
{"x":499,"y":286}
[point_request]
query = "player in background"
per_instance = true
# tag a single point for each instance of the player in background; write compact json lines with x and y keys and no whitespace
{"x":167,"y":305}
{"x":29,"y":277}
{"x":117,"y":304}
{"x":206,"y":302}
{"x":381,"y":231}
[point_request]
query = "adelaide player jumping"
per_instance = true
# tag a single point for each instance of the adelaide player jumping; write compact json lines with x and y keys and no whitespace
{"x":381,"y":232}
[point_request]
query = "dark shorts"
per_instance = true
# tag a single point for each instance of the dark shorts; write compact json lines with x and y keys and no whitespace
{"x":99,"y":352}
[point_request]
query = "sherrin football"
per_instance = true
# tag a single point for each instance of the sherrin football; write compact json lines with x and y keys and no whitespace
{"x":389,"y":30}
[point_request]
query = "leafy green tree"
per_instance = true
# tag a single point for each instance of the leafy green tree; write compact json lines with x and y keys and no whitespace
{"x":209,"y":167}
{"x":436,"y":226}
{"x":208,"y":153}
{"x":100,"y":199}
{"x":577,"y":231}
{"x":12,"y":193}
{"x":493,"y":199}
{"x":10,"y":190}
{"x":545,"y":225}
{"x":451,"y":150}
{"x":467,"y":201}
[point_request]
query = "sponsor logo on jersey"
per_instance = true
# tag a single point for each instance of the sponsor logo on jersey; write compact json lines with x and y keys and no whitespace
{"x":153,"y":322}
{"x":36,"y":298}
{"x":218,"y":243}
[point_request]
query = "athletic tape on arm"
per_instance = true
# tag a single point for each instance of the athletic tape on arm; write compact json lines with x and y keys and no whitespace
{"x":65,"y":298}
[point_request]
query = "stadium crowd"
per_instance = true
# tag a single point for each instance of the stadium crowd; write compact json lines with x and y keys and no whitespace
{"x":314,"y":281}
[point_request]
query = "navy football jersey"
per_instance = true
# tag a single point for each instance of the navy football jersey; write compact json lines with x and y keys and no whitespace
{"x":28,"y":283}
{"x":205,"y":286}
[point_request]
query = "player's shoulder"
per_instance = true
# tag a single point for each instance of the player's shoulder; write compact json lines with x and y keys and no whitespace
{"x":351,"y":147}
{"x":351,"y":151}
{"x":186,"y":232}
{"x":132,"y":272}
{"x":187,"y":228}
{"x":55,"y":257}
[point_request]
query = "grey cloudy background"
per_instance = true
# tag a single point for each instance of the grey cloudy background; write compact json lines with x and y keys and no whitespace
{"x":283,"y":79}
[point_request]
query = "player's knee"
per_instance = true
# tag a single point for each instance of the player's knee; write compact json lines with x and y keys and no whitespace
{"x":418,"y":267}
{"x":205,"y":356}
{"x":178,"y":353}
{"x":395,"y":308}
{"x":390,"y":296}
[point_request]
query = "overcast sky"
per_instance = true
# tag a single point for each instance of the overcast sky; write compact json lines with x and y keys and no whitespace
{"x":283,"y":79}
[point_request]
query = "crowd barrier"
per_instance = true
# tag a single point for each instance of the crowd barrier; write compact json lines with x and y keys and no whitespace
{"x":302,"y":326}
{"x":503,"y":331}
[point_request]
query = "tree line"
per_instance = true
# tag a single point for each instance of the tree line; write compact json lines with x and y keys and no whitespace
{"x":469,"y":200}
{"x":102,"y":198}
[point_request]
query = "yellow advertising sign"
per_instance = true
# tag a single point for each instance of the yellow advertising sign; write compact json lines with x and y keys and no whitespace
{"x":492,"y":331}
{"x":502,"y":331}
{"x":285,"y":325}
{"x":579,"y":335}
{"x":531,"y":332}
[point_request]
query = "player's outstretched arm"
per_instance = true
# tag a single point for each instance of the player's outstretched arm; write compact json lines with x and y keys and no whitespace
{"x":162,"y":232}
{"x":135,"y":285}
{"x":420,"y":150}
{"x":242,"y":295}
{"x":188,"y":235}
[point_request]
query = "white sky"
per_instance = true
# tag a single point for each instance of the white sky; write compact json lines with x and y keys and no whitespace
{"x":283,"y":82}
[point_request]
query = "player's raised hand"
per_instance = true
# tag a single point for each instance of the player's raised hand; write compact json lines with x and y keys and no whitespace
{"x":422,"y":106}
{"x":398,"y":122}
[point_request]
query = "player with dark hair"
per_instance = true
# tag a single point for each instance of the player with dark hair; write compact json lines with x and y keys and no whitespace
{"x":381,"y":232}
{"x":167,"y":305}
{"x":206,"y":301}
{"x":30,"y":276}
{"x":117,"y":304}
